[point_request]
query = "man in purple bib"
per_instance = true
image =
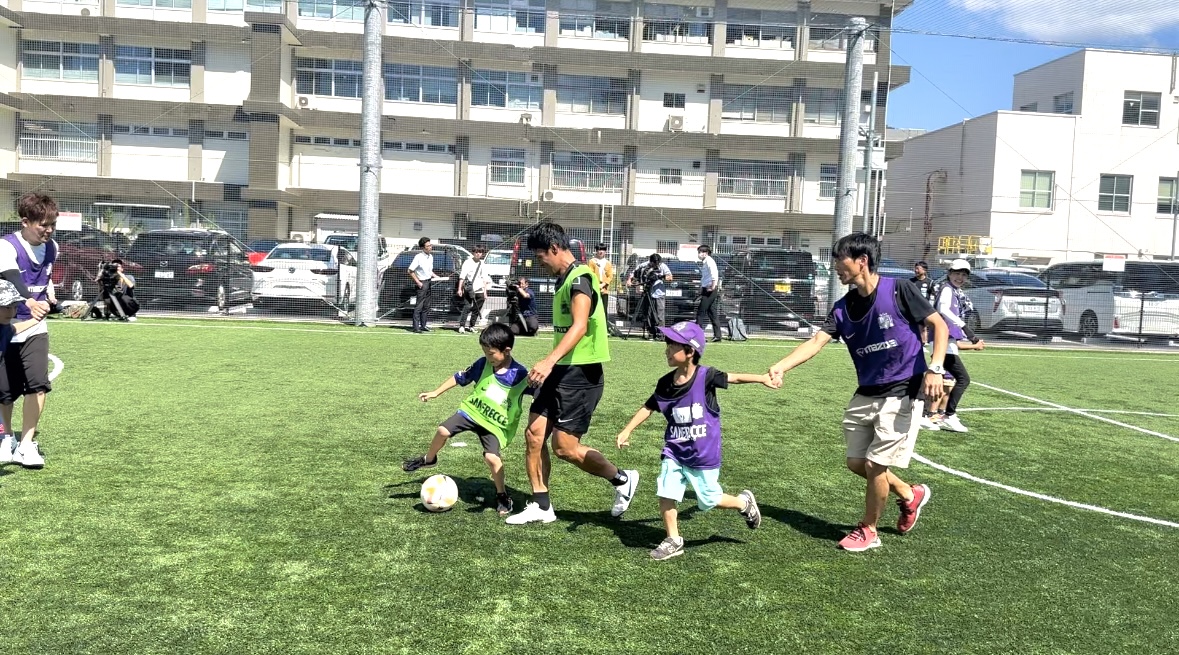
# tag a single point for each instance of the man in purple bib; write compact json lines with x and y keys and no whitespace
{"x":880,"y":321}
{"x":26,"y":260}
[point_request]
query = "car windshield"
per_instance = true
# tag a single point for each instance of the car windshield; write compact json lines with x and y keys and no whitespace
{"x":348,"y":242}
{"x":683,"y":269}
{"x":1022,"y":280}
{"x":781,"y":264}
{"x":497,"y":257}
{"x":150,"y":245}
{"x":262,"y":246}
{"x":306,"y":254}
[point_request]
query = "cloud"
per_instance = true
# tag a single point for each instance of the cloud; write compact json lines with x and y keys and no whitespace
{"x":1103,"y":21}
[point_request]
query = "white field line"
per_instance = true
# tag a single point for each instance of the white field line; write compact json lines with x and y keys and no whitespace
{"x":1057,"y":409}
{"x":58,"y":366}
{"x":1044,"y":497}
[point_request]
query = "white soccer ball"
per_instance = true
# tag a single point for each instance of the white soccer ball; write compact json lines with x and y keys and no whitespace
{"x":439,"y":493}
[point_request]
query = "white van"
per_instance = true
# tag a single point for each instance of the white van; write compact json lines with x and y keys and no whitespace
{"x":1106,"y":302}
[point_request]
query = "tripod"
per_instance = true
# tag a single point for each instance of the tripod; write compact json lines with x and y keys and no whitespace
{"x":641,"y":308}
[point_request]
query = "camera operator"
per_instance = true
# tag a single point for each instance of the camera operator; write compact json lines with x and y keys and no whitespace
{"x":651,"y":277}
{"x":522,"y":309}
{"x":116,"y":290}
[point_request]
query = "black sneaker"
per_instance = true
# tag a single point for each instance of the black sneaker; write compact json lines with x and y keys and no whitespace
{"x":416,"y":463}
{"x":503,"y":505}
{"x":751,"y":512}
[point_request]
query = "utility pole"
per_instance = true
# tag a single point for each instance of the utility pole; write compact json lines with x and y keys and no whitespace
{"x":849,"y":132}
{"x":869,"y":153}
{"x":371,"y":102}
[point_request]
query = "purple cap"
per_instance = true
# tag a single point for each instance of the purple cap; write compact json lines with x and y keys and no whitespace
{"x":687,"y":333}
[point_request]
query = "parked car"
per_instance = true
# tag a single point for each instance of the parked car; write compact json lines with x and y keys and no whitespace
{"x":399,"y":294}
{"x":498,"y":264}
{"x":680,"y":295}
{"x":350,"y":242}
{"x":257,"y":249}
{"x":771,"y":288}
{"x":1111,"y":302}
{"x":78,"y":264}
{"x":542,"y":283}
{"x":301,"y":272}
{"x":188,"y":266}
{"x":1013,"y":301}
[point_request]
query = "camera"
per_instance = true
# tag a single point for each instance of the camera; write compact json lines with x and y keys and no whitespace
{"x":108,"y":274}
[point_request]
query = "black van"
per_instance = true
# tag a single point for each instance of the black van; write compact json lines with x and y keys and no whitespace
{"x":772,"y":288}
{"x":192,"y":266}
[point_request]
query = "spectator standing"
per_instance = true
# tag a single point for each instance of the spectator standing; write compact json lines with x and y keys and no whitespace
{"x":421,"y":269}
{"x":709,"y":292}
{"x":472,"y":288}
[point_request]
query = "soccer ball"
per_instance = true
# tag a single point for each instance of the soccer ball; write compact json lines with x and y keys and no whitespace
{"x":439,"y":493}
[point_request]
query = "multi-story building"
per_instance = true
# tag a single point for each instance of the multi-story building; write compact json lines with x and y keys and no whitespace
{"x":664,"y":122}
{"x":1084,"y":165}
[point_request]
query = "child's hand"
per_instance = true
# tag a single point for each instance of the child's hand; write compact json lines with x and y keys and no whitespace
{"x":769,"y":381}
{"x":775,"y":375}
{"x":429,"y":395}
{"x":623,"y":439}
{"x":980,"y":345}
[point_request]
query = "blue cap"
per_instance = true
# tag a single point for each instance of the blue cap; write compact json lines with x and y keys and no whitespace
{"x":687,"y":333}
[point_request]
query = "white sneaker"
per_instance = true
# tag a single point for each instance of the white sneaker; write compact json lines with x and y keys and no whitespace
{"x":28,"y":456}
{"x":953,"y":424}
{"x":7,"y":445}
{"x":928,"y":423}
{"x":625,"y":493}
{"x":532,"y":514}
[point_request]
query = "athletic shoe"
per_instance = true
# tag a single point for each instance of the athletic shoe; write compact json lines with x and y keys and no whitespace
{"x":751,"y":512}
{"x":624,"y":493}
{"x":418,"y":462}
{"x":462,"y":329}
{"x":7,"y":445}
{"x":930,"y":423}
{"x":911,"y":509}
{"x":667,"y":549}
{"x":953,"y":424}
{"x":532,"y":514}
{"x":504,"y":507}
{"x":28,"y":455}
{"x":860,"y":539}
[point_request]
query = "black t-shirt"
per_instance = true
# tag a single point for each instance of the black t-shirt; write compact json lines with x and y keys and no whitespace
{"x":914,"y":309}
{"x":922,"y":285}
{"x":586,"y":375}
{"x":667,"y":388}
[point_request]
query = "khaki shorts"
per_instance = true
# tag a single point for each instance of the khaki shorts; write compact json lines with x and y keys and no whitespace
{"x":882,"y":430}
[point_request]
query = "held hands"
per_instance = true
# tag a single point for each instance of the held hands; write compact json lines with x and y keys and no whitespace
{"x":775,"y":374}
{"x":539,"y":373}
{"x":37,"y":308}
{"x":768,"y":381}
{"x":623,"y":439}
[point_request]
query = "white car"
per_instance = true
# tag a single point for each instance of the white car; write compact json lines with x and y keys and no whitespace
{"x":1004,"y":300}
{"x":498,"y":264}
{"x":305,"y":272}
{"x":349,"y":243}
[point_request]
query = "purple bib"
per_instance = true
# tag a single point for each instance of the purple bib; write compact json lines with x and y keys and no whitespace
{"x":884,"y":347}
{"x":956,"y":333}
{"x":34,"y":275}
{"x":693,"y":435}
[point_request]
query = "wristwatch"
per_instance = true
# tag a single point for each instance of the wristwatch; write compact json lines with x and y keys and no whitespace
{"x":936,"y":369}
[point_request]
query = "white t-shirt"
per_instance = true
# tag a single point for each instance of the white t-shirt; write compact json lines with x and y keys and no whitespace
{"x":422,"y":266}
{"x":8,"y":263}
{"x":472,"y":282}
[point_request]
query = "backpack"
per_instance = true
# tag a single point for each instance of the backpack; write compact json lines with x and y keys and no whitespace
{"x":737,"y":330}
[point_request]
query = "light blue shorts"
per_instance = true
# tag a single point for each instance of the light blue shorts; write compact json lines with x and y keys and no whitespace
{"x":674,"y":480}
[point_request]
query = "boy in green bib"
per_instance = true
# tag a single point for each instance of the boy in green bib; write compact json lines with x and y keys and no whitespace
{"x":492,"y":410}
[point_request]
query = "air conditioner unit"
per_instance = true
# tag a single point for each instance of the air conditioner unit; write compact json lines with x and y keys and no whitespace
{"x":704,"y":12}
{"x":614,"y":159}
{"x":547,"y":196}
{"x":304,"y":101}
{"x":675,"y":123}
{"x":526,"y":119}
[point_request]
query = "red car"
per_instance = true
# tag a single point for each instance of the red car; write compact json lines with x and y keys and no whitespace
{"x":77,"y":265}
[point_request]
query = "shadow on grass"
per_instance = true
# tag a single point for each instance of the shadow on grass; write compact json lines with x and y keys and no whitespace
{"x":805,"y":523}
{"x":470,"y":491}
{"x":636,"y":534}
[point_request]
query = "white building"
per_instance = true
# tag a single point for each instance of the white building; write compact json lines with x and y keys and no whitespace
{"x":678,"y":121}
{"x":1086,"y":165}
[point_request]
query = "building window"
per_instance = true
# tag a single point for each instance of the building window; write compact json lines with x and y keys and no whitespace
{"x":328,"y":77}
{"x":753,"y":28}
{"x":591,"y":171}
{"x":144,"y":130}
{"x":760,"y":104}
{"x":667,"y":246}
{"x":426,"y":14}
{"x":413,"y":83}
{"x":674,"y":100}
{"x":590,"y":19}
{"x":226,"y":5}
{"x":1168,"y":196}
{"x":265,"y":6}
{"x":671,"y":176}
{"x":524,"y":16}
{"x":152,"y":66}
{"x":1115,"y":193}
{"x":754,"y":178}
{"x":1141,"y":108}
{"x":1031,"y":107}
{"x":675,"y":24}
{"x":162,"y":4}
{"x":50,"y":60}
{"x":507,"y":166}
{"x":828,"y":180}
{"x":583,"y":94}
{"x":836,"y":39}
{"x":59,"y":141}
{"x":509,"y":90}
{"x":1063,"y":103}
{"x":332,"y":9}
{"x":822,"y":106}
{"x":1036,"y":189}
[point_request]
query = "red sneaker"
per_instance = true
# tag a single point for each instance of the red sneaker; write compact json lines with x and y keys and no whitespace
{"x":860,"y":539}
{"x":911,"y":509}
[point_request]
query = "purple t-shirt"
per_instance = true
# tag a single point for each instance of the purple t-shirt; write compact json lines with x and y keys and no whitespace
{"x":693,"y":434}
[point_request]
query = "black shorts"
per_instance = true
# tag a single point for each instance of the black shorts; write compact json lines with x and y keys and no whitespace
{"x":26,"y":369}
{"x":460,"y":423}
{"x":568,"y":409}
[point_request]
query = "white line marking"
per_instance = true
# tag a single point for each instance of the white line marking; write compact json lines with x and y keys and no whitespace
{"x":1057,"y":409}
{"x":1039,"y":496}
{"x":1081,"y":412}
{"x":57,"y":367}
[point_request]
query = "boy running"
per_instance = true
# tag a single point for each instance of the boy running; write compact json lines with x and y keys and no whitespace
{"x":492,"y":409}
{"x":692,"y":441}
{"x":880,"y":321}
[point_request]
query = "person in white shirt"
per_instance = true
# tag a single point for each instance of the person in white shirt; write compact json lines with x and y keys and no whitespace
{"x":709,"y":292}
{"x":421,"y":269}
{"x":472,"y":288}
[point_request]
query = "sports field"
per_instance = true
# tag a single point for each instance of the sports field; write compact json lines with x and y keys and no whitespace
{"x":236,"y":488}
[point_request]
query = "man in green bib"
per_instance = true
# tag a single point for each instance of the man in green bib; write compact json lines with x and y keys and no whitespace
{"x":570,"y":380}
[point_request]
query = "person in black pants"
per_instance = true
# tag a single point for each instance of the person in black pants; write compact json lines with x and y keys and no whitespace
{"x":421,"y":269}
{"x":709,"y":292}
{"x":522,"y":318}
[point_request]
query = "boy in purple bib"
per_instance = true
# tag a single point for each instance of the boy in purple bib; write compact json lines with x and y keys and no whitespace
{"x":880,"y":321}
{"x":686,"y":397}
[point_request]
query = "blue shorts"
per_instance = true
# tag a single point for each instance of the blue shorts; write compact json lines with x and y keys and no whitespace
{"x":674,"y":480}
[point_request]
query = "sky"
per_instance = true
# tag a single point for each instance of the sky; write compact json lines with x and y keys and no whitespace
{"x":955,"y":77}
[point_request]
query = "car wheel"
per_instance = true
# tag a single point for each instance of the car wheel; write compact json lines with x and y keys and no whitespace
{"x":1088,"y":326}
{"x":221,"y":302}
{"x":77,"y":291}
